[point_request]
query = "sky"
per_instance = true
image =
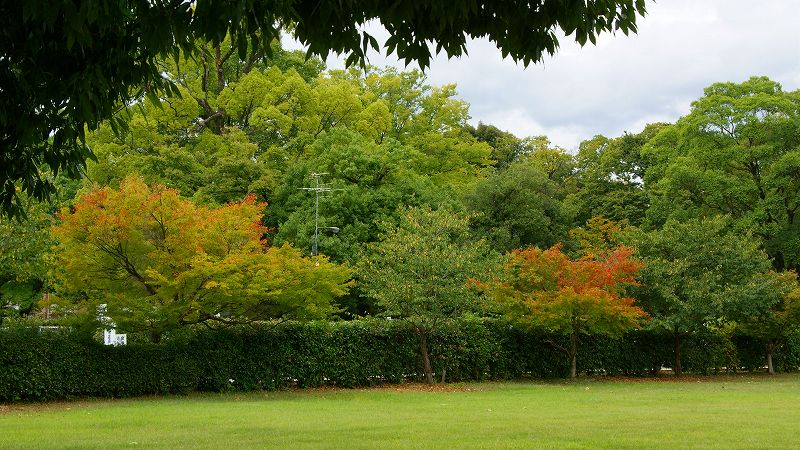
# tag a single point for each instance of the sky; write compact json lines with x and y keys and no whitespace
{"x":624,"y":82}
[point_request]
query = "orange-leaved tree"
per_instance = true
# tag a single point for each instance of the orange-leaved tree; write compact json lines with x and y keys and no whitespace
{"x":545,"y":288}
{"x":158,"y":262}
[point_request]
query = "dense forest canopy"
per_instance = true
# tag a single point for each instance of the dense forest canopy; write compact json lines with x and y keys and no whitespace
{"x":196,"y":210}
{"x":67,"y":66}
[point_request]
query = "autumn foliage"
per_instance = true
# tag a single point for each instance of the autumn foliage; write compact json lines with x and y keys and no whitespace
{"x":159,"y":262}
{"x":545,"y":288}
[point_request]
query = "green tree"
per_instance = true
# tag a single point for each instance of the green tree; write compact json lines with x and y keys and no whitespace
{"x":392,"y":140}
{"x":506,"y":148}
{"x":66,"y":66}
{"x":553,"y":160}
{"x":370,"y":180}
{"x":384,"y":139}
{"x":25,"y":248}
{"x":271,"y":121}
{"x":216,"y":141}
{"x":160,"y":262}
{"x":597,"y":237}
{"x":214,"y":169}
{"x":523,"y":204}
{"x":429,"y":119}
{"x":737,"y":153}
{"x":418,"y":272}
{"x":519,"y":206}
{"x":447,"y":153}
{"x":24,"y":245}
{"x":610,"y":175}
{"x":694,"y":273}
{"x":769,"y":310}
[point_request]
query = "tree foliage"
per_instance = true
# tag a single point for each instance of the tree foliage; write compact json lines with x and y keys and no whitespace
{"x":769,"y":310}
{"x":610,"y":174}
{"x":737,"y":153}
{"x":506,"y":148}
{"x":520,"y":206}
{"x":24,"y":246}
{"x":224,"y":136}
{"x":545,"y":288}
{"x":66,"y":66}
{"x":259,"y":125}
{"x":370,"y":181}
{"x":160,"y":262}
{"x":694,"y":273}
{"x":598,"y":237}
{"x":242,"y":121}
{"x":418,"y":272}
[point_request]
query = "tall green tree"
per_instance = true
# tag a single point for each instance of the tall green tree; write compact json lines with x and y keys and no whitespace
{"x":268,"y":121}
{"x":432,"y":121}
{"x":217,"y":141}
{"x":506,"y":148}
{"x":370,"y":181}
{"x":694,"y":273}
{"x":25,"y":252}
{"x":738,"y":153}
{"x":597,"y":237}
{"x":418,"y":272}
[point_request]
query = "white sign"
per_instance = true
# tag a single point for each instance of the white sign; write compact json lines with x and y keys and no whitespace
{"x":110,"y":337}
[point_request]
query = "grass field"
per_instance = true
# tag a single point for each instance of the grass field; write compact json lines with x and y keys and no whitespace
{"x":721,"y":412}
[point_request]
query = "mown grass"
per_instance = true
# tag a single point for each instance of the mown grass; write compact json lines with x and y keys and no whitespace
{"x":720,"y":412}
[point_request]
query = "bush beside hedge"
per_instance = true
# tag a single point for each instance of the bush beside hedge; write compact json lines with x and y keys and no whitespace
{"x":37,"y":366}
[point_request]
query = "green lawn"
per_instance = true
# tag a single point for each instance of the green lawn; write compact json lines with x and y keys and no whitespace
{"x":727,"y":412}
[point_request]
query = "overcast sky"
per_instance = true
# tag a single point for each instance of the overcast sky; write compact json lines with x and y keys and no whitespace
{"x":625,"y":81}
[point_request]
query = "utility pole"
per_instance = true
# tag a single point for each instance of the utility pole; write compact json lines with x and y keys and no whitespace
{"x":317,"y":189}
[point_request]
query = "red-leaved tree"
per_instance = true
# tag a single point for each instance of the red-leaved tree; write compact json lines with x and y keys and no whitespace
{"x":544,"y":288}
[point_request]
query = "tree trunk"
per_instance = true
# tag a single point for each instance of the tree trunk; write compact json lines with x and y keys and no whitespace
{"x":770,"y":368}
{"x":573,"y":355}
{"x":155,"y":336}
{"x":678,"y":370}
{"x":770,"y":351}
{"x":423,"y":350}
{"x":218,"y":63}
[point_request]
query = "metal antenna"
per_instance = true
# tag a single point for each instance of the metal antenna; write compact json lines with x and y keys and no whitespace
{"x":317,"y":189}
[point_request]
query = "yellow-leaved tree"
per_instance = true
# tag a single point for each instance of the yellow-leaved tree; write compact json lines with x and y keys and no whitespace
{"x":159,"y":262}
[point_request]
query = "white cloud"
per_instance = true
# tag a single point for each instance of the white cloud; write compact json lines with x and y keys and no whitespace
{"x":524,"y":124}
{"x":626,"y":81}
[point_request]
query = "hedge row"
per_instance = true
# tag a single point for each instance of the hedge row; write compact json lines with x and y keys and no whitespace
{"x":50,"y":365}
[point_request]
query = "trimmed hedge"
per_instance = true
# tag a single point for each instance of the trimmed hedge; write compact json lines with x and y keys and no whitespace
{"x":36,"y":366}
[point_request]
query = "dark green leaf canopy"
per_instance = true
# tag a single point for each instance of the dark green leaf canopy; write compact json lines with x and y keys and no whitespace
{"x":65,"y":65}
